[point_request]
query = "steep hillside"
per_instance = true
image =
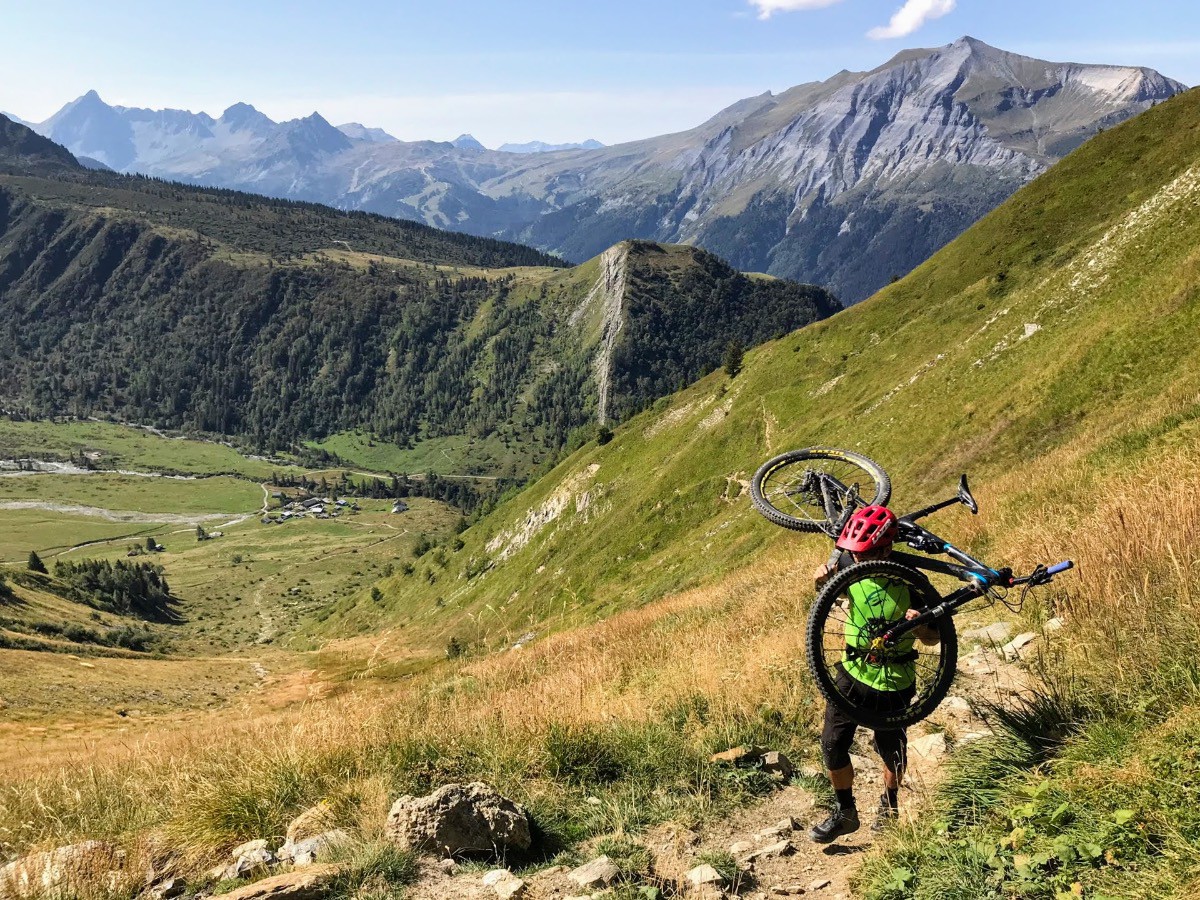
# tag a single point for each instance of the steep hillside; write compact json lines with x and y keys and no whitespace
{"x":24,"y":150}
{"x":278,"y":323}
{"x":846,"y":183}
{"x":1063,"y":318}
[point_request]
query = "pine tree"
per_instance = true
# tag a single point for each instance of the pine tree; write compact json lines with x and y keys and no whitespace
{"x":734,"y":353}
{"x":35,"y":563}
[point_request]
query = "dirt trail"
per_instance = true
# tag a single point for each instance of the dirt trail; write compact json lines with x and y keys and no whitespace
{"x":803,"y":868}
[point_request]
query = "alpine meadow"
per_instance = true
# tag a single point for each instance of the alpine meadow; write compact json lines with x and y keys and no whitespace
{"x":320,"y":527}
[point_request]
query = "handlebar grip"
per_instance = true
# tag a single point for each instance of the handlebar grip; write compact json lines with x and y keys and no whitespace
{"x":1060,"y":567}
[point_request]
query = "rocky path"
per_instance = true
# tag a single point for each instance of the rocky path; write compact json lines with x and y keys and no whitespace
{"x":770,"y":840}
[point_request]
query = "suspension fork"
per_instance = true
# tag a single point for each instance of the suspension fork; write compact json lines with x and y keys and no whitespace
{"x":949,"y":604}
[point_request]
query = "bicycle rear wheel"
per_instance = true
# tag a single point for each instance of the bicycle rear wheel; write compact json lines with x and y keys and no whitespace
{"x":921,"y":674}
{"x":808,"y":490}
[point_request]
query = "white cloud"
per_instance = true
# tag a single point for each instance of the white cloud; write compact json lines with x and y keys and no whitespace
{"x":767,"y":7}
{"x":911,"y":16}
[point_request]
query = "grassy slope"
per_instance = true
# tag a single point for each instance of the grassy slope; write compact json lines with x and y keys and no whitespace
{"x":933,"y":376}
{"x":126,"y":447}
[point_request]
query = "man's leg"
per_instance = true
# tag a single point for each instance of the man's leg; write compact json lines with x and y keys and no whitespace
{"x":892,"y":747}
{"x":836,"y":738}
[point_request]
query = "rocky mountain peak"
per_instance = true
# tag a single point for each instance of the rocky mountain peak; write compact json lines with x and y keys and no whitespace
{"x":244,"y":117}
{"x":313,"y":136}
{"x":467,"y":142}
{"x":90,"y":127}
{"x":356,"y":131}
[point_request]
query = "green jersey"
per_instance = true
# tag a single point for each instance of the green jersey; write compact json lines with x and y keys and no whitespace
{"x":873,"y":599}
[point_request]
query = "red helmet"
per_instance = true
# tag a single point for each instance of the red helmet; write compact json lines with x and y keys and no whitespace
{"x":868,"y":528}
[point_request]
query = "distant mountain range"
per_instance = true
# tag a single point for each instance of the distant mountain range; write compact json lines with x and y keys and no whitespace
{"x":847,"y":182}
{"x":543,"y":147}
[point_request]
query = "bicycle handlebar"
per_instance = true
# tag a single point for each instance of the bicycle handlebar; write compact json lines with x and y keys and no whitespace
{"x":1042,"y":574}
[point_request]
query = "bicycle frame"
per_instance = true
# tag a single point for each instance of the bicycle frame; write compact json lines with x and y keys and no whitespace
{"x":979,"y":576}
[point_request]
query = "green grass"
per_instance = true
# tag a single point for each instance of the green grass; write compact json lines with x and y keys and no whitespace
{"x":1115,"y":812}
{"x":126,"y":447}
{"x":22,"y":530}
{"x":130,"y":493}
{"x":452,"y":455}
{"x":258,"y":581}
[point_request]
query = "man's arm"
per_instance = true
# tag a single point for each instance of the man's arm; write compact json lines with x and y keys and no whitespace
{"x":926,"y":634}
{"x":826,"y":570}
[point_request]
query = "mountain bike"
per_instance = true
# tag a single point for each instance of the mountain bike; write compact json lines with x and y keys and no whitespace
{"x":817,"y":490}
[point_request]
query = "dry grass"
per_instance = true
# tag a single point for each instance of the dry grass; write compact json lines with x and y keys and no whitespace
{"x":624,"y":709}
{"x":628,"y":709}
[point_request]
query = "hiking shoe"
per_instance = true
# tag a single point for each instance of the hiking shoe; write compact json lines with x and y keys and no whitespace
{"x":841,"y":821}
{"x":885,"y":814}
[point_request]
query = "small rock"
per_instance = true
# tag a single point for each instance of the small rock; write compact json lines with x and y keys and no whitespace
{"x":779,"y":848}
{"x":459,"y":818}
{"x":247,"y":849}
{"x":310,"y":884}
{"x":165,"y":890}
{"x":1012,"y":650}
{"x":594,"y":801}
{"x":786,"y":890}
{"x":777,"y":763}
{"x":1053,"y":625}
{"x":705,"y":876}
{"x":315,"y":820}
{"x":818,"y":884}
{"x":741,"y":847}
{"x":956,"y":704}
{"x":312,"y":849}
{"x":506,"y":885}
{"x":929,"y":748}
{"x":996,"y":633}
{"x":448,"y":866}
{"x":863,"y":763}
{"x":737,"y":756}
{"x":599,"y":873}
{"x":514,"y":889}
{"x":778,"y":830}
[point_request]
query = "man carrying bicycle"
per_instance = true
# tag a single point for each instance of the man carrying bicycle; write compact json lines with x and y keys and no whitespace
{"x":868,"y":535}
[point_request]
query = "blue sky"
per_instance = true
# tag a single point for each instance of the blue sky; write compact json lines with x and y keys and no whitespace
{"x":529,"y":69}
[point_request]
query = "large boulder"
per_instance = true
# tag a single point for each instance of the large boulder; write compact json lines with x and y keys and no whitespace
{"x":459,"y":819}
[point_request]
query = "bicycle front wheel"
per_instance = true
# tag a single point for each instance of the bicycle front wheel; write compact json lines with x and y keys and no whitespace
{"x":808,"y":490}
{"x":895,"y":687}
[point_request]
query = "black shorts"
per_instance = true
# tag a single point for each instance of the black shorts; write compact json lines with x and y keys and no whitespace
{"x":838,"y":734}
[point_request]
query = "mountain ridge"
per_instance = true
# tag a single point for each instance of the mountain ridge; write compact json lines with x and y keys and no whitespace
{"x":880,"y":167}
{"x":391,"y":327}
